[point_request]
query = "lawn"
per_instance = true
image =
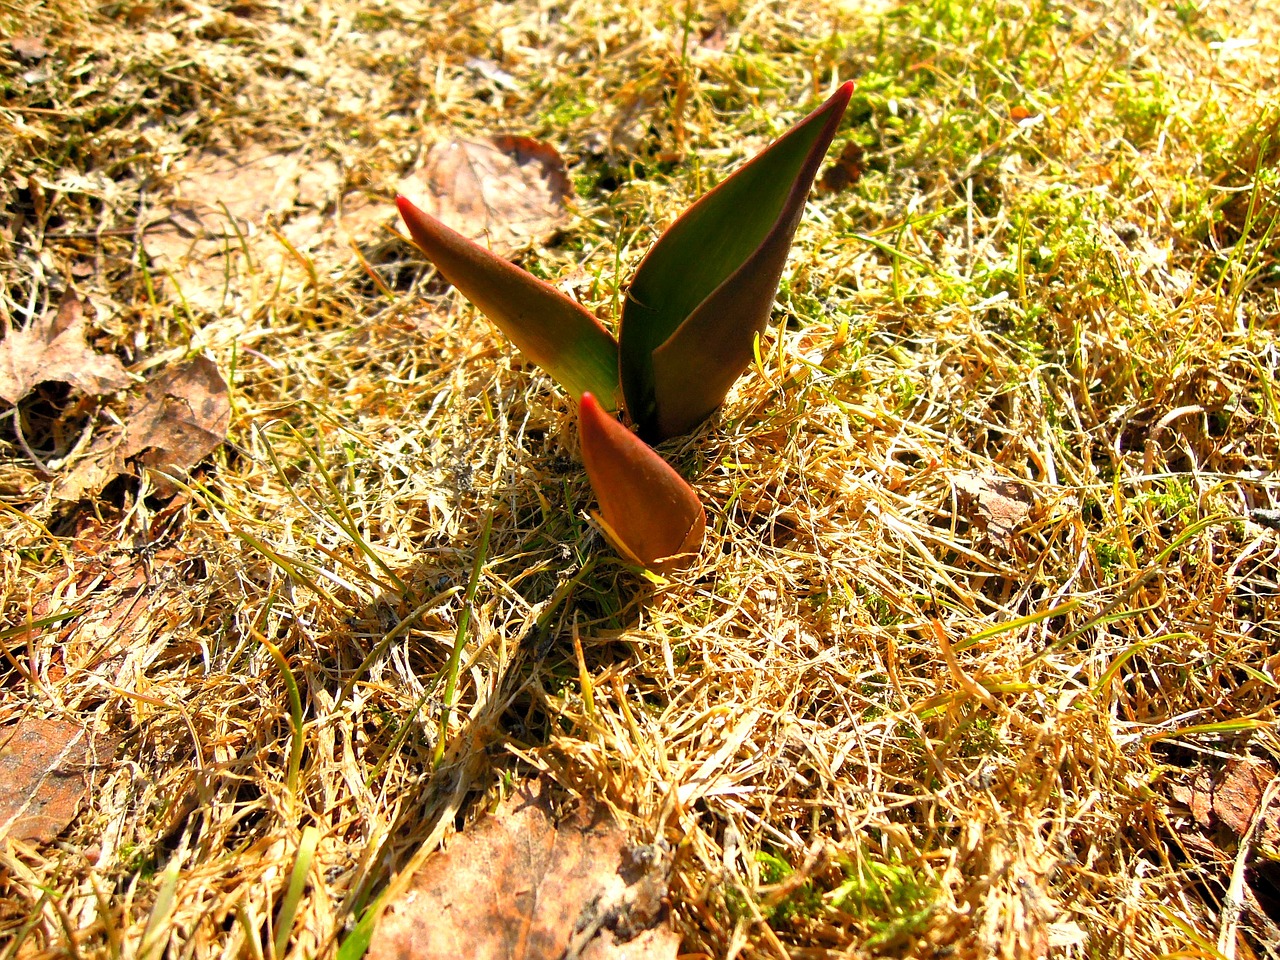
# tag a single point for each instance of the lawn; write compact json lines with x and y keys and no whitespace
{"x":979,"y":656}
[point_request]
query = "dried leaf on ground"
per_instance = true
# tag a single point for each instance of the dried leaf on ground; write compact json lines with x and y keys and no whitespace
{"x":29,"y":49}
{"x":44,"y":768}
{"x":220,"y":202}
{"x":1196,"y":796}
{"x":362,"y":219}
{"x":183,"y":418}
{"x":529,"y":882}
{"x":504,"y":191}
{"x":1238,"y":795}
{"x":180,"y":418}
{"x":844,"y":171}
{"x":1232,"y":797}
{"x":995,"y":506}
{"x":54,"y":348}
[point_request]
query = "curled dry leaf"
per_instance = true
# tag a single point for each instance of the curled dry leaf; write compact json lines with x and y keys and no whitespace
{"x":995,"y":506}
{"x":528,"y":882}
{"x":183,"y":418}
{"x":502,"y":192}
{"x":44,"y":767}
{"x":1232,"y":797}
{"x":180,"y":418}
{"x":53,"y":348}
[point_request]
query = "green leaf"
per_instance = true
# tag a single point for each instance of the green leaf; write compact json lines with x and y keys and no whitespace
{"x":548,"y":327}
{"x":652,"y":516}
{"x":706,"y":288}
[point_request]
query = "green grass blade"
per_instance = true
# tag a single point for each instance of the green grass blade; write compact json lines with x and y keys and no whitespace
{"x":297,"y":883}
{"x":357,"y":941}
{"x":460,"y":637}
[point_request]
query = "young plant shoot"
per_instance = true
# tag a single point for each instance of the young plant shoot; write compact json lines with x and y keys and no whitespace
{"x":689,"y":320}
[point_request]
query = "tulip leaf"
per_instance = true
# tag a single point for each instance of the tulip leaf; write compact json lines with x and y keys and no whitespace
{"x":706,"y":288}
{"x":549,"y":328}
{"x":650,"y":513}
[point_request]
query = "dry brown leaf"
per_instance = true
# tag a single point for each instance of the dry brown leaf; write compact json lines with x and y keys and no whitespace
{"x":363,"y":219}
{"x":1196,"y":796}
{"x":183,"y":418}
{"x":54,"y":348}
{"x":43,"y":777}
{"x":844,"y":171}
{"x":995,"y":506}
{"x":505,"y":191}
{"x":180,"y":418}
{"x":527,"y":883}
{"x":1232,"y":797}
{"x":220,"y":202}
{"x":1237,"y":796}
{"x":29,"y":49}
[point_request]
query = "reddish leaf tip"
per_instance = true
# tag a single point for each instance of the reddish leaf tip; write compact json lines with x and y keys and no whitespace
{"x":405,"y":205}
{"x":653,"y":516}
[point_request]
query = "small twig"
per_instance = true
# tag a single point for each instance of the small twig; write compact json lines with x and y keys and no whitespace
{"x":41,"y":468}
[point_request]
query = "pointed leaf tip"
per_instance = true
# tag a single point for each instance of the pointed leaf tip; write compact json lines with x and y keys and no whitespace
{"x":549,"y":328}
{"x":645,"y":506}
{"x":706,"y":288}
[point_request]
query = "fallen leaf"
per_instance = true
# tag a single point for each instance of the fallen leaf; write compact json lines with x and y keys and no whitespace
{"x":529,"y":882}
{"x":506,"y":190}
{"x":43,"y":777}
{"x":29,"y":49}
{"x":844,"y":171}
{"x":53,"y":348}
{"x":1196,"y":796}
{"x":1239,"y":792}
{"x":1231,"y":797}
{"x":183,"y":418}
{"x":363,"y":219}
{"x":995,"y":506}
{"x":219,"y":204}
{"x":180,"y":418}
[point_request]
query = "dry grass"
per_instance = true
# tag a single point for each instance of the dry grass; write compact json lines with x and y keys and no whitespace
{"x":864,"y":722}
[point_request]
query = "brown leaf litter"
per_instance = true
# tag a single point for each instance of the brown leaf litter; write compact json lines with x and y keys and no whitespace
{"x":995,"y":506}
{"x":845,"y":170}
{"x":54,"y":348}
{"x":180,"y":418}
{"x":220,"y":204}
{"x":44,"y":774}
{"x":530,"y":881}
{"x":1230,"y":805}
{"x":1231,"y":797}
{"x":507,"y":191}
